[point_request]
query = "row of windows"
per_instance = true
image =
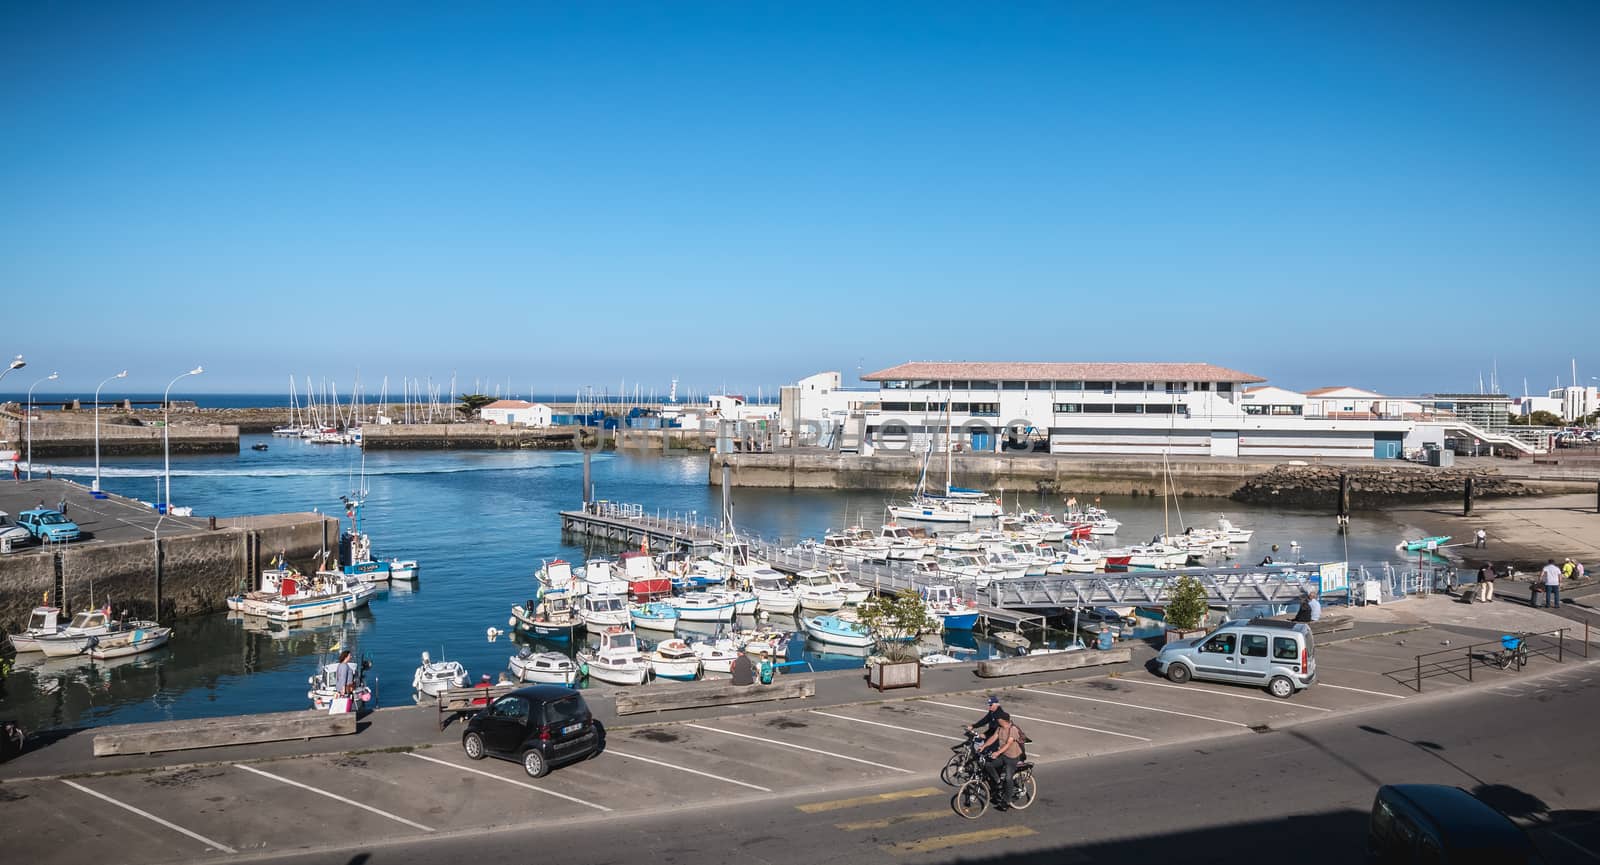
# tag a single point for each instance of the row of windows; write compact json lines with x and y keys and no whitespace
{"x":1272,"y":409}
{"x":1104,"y":386}
{"x":1118,"y":408}
{"x":937,"y":407}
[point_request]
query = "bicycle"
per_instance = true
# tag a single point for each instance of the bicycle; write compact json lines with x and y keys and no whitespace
{"x":964,"y":764}
{"x":973,"y":798}
{"x":1513,"y":650}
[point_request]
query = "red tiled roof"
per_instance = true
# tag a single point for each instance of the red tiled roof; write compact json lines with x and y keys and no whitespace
{"x":932,"y":370}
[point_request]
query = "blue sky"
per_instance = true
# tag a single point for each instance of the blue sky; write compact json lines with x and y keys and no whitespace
{"x":1389,"y":195}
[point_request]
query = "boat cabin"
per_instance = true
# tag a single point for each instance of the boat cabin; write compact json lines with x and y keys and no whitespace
{"x":941,"y":595}
{"x":88,"y":620}
{"x":43,"y":620}
{"x":618,"y":642}
{"x":557,"y":573}
{"x":637,"y":565}
{"x":602,"y":603}
{"x":763,"y":583}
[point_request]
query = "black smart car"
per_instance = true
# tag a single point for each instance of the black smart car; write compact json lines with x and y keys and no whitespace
{"x":543,"y":726}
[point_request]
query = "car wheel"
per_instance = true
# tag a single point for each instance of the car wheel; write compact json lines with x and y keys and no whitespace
{"x":535,"y":764}
{"x":473,"y":745}
{"x":1281,"y":687}
{"x":1177,"y":673}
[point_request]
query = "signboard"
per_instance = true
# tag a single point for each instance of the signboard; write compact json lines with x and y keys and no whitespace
{"x":1332,"y":577}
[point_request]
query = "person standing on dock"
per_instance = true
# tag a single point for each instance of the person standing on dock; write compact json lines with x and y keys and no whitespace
{"x":344,"y":675}
{"x":1552,"y":583}
{"x":1481,"y":539}
{"x":1486,"y":583}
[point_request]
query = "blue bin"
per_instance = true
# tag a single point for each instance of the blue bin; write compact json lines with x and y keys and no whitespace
{"x":1107,"y":640}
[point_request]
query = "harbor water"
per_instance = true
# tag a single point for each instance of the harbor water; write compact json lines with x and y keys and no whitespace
{"x":480,"y":522}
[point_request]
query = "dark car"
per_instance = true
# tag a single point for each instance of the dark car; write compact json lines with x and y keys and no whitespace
{"x":541,"y":726}
{"x":1445,"y":825}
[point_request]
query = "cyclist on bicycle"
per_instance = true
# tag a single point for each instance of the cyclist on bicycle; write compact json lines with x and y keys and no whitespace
{"x":1007,"y":744}
{"x":988,"y":721}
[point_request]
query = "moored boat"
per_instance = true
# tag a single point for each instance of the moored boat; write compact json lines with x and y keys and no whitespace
{"x":433,"y":677}
{"x":705,"y":606}
{"x":42,"y":622}
{"x":617,"y":660}
{"x":549,"y":618}
{"x":78,"y":635}
{"x":674,"y":659}
{"x":836,"y":631}
{"x":134,"y":638}
{"x":602,"y":610}
{"x":655,"y":616}
{"x":550,"y":668}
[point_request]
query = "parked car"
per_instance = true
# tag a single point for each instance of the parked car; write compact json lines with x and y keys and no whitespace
{"x":1270,"y":653}
{"x":48,"y":525}
{"x":542,"y":726}
{"x":1435,"y":823}
{"x":10,"y":532}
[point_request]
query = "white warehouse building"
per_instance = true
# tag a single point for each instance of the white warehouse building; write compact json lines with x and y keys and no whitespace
{"x":516,"y":412}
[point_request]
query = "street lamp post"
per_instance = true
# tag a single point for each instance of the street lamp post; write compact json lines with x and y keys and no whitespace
{"x":19,"y":363}
{"x":51,"y":377}
{"x":166,"y":427}
{"x":123,"y":374}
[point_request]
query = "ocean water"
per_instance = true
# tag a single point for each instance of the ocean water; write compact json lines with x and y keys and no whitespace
{"x":481,"y":522}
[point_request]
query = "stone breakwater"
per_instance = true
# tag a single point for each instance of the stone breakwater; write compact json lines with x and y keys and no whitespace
{"x":1374,"y":487}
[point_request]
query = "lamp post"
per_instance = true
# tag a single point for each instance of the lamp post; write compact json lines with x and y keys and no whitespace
{"x":51,"y":377}
{"x":166,"y":427}
{"x":123,"y":374}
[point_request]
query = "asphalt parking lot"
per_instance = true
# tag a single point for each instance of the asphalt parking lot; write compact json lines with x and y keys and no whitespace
{"x":113,"y":518}
{"x":822,"y":757}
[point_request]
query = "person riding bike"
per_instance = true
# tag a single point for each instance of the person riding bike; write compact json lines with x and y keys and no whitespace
{"x":991,"y":722}
{"x":1007,"y":745}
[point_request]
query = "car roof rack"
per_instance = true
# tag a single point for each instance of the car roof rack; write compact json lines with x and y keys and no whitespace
{"x":1275,"y":623}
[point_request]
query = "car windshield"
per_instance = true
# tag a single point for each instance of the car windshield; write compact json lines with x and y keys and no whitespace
{"x":52,"y":519}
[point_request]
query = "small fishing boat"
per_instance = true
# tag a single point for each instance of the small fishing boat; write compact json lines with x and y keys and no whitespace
{"x":555,"y":575}
{"x":705,"y":606}
{"x":1420,"y":544}
{"x":675,"y":659}
{"x":404,"y":570}
{"x":645,"y":581}
{"x":135,"y":638}
{"x":327,"y":593}
{"x":773,"y":594}
{"x":600,"y":577}
{"x":75,"y":638}
{"x":325,"y":684}
{"x":259,"y":446}
{"x":42,"y":622}
{"x":764,"y":644}
{"x":716,"y":656}
{"x":836,"y":631}
{"x":602,"y":611}
{"x":549,"y":668}
{"x":1234,"y":534}
{"x":655,"y":616}
{"x":1010,"y":639}
{"x":434,"y":677}
{"x":547,"y":618}
{"x":945,"y":606}
{"x":617,"y":660}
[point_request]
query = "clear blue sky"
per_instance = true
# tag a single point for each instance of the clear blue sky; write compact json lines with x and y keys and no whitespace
{"x":1388,"y":195}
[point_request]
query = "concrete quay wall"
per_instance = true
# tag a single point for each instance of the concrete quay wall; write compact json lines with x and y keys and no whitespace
{"x":992,"y":472}
{"x":197,"y":572}
{"x":465,"y":436}
{"x":61,"y":437}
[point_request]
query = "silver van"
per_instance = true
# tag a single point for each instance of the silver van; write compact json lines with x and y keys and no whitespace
{"x":1269,"y":653}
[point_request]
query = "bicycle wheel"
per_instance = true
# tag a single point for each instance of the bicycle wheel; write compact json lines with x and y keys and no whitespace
{"x":1026,"y":789}
{"x":1522,"y":657}
{"x":955,"y":773}
{"x":972,"y":799}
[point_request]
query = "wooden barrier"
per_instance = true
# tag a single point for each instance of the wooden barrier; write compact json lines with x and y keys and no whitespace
{"x":710,"y":694}
{"x":454,"y":702}
{"x":1051,"y":662}
{"x":217,"y":732}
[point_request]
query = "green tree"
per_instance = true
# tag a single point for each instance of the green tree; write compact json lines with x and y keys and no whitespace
{"x":1186,"y":608}
{"x":471,"y":402}
{"x":895,"y":620}
{"x":1544,"y":418}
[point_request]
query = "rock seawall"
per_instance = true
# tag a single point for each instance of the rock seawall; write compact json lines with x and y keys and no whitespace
{"x":1376,"y":487}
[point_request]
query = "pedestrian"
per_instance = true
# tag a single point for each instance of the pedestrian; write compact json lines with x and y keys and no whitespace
{"x":1577,"y":570}
{"x":1486,"y":582}
{"x":16,"y":473}
{"x":49,"y":475}
{"x":1481,"y":539}
{"x":62,"y":506}
{"x":743,"y":670}
{"x":1567,"y":569}
{"x":1552,"y":584}
{"x":344,"y":675}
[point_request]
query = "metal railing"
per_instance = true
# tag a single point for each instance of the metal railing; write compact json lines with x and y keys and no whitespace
{"x":1460,"y":662}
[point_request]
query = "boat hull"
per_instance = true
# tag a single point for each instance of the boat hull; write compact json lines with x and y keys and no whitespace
{"x":135,"y":643}
{"x":960,"y":621}
{"x":678,"y":669}
{"x":618,"y":675}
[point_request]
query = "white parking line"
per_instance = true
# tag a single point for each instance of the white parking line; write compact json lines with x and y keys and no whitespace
{"x":336,"y":797}
{"x":800,"y":748}
{"x":945,"y":736}
{"x":687,"y":769}
{"x":1135,"y":706}
{"x":514,"y":782}
{"x":1362,"y":691}
{"x":1273,"y":700}
{"x":1045,"y":721}
{"x":151,"y":817}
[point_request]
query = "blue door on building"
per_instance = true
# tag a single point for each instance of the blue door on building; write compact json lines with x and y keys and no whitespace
{"x":1386,"y":446}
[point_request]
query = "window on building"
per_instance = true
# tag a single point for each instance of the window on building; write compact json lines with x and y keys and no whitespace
{"x":1286,"y":409}
{"x":1131,"y":386}
{"x":1177,"y":387}
{"x":1016,"y":385}
{"x":896,"y":406}
{"x":960,"y":385}
{"x":895,"y":385}
{"x":1202,"y":385}
{"x":1158,"y":408}
{"x":1129,"y":408}
{"x":924,"y":385}
{"x":1224,"y":387}
{"x":1097,"y":385}
{"x":1068,"y":407}
{"x":1069,"y":385}
{"x":1097,"y":408}
{"x":991,"y":409}
{"x":985,"y":385}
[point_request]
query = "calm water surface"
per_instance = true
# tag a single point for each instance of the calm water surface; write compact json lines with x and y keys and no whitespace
{"x":480,"y":523}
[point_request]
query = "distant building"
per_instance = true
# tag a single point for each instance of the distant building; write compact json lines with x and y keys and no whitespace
{"x":1269,"y":400}
{"x":1575,"y":403}
{"x":1523,"y":406}
{"x":1355,"y":402}
{"x":516,"y":412}
{"x":813,"y":409}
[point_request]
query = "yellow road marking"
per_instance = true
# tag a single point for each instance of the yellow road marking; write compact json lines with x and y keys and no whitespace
{"x":945,"y":842}
{"x":895,"y":821}
{"x":836,"y":804}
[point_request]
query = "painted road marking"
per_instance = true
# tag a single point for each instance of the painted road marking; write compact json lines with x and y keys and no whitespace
{"x":800,"y":748}
{"x":152,"y":818}
{"x":879,"y":798}
{"x":1361,"y":691}
{"x":362,"y":805}
{"x":687,"y":769}
{"x":945,"y":736}
{"x":1136,"y":706}
{"x":945,"y":842}
{"x":886,"y":822}
{"x":510,"y":781}
{"x":1273,"y":700}
{"x":1046,"y":721}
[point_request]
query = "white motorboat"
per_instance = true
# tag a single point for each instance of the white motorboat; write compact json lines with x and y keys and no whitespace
{"x":774,"y":595}
{"x":675,"y":659}
{"x":404,"y":570}
{"x":617,"y":660}
{"x":326,"y":593}
{"x":602,"y":611}
{"x":599,"y":577}
{"x":836,"y":631}
{"x":76,"y":637}
{"x":764,"y":644}
{"x":555,"y":576}
{"x":814,"y":590}
{"x":1233,"y":534}
{"x":549,"y":668}
{"x":134,"y":638}
{"x":716,"y":656}
{"x":549,"y":617}
{"x":646,"y":582}
{"x":325,"y":685}
{"x":705,"y":606}
{"x":42,"y":622}
{"x":654,"y":616}
{"x":434,"y":677}
{"x":854,"y":593}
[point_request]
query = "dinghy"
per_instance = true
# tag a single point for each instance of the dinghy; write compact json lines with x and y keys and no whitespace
{"x":434,"y":677}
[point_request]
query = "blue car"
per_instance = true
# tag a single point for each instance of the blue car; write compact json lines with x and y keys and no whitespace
{"x":48,"y":526}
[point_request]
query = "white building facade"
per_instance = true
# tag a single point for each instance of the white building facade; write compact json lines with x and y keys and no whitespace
{"x":1576,"y":403}
{"x":516,"y":412}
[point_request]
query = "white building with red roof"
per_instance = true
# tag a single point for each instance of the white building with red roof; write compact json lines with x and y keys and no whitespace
{"x":516,"y":412}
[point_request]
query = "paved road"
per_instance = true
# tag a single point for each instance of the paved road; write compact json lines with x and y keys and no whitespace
{"x":1132,"y":764}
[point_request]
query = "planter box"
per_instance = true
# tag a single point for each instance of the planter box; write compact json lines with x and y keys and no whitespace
{"x":902,"y":674}
{"x":1174,"y":634}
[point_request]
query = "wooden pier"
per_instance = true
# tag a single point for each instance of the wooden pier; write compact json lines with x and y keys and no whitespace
{"x":629,"y":526}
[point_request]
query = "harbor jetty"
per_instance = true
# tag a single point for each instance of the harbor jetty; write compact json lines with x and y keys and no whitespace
{"x":121,"y":433}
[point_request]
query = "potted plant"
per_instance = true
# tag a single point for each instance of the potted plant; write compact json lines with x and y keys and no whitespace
{"x":895,"y":621}
{"x":1186,"y":609}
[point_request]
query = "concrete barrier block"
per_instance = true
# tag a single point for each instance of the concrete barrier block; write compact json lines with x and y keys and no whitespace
{"x":218,"y":732}
{"x":1051,"y":662}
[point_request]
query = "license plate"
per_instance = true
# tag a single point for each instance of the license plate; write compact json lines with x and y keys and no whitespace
{"x":571,"y":728}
